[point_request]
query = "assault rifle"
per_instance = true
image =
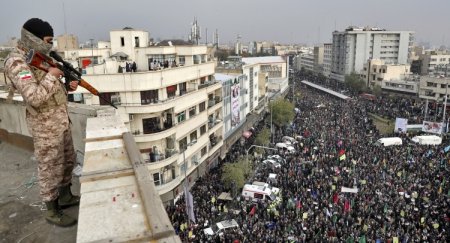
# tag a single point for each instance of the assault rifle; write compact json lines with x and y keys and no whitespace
{"x":44,"y":62}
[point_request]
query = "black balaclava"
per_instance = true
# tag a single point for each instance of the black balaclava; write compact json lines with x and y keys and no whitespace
{"x":32,"y":34}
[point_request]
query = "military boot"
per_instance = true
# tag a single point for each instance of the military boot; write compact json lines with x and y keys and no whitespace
{"x":66,"y":198}
{"x":55,"y":216}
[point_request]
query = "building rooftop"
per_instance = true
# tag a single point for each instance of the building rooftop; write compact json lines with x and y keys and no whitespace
{"x":223,"y":77}
{"x":267,"y":59}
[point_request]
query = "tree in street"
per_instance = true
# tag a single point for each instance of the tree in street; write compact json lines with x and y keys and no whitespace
{"x":237,"y":172}
{"x":355,"y":83}
{"x":282,"y":112}
{"x":376,"y":90}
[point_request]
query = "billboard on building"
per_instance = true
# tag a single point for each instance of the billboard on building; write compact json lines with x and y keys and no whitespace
{"x":432,"y":127}
{"x":401,"y":125}
{"x":235,"y":105}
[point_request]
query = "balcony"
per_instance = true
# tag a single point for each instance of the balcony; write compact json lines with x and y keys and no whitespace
{"x":158,"y":161}
{"x":213,"y":102}
{"x":155,"y":133}
{"x":212,"y":123}
{"x":149,"y":80}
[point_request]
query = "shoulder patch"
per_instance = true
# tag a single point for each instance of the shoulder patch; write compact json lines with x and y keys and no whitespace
{"x":25,"y":75}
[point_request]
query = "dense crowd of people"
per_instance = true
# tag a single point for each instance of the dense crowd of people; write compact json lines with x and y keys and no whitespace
{"x":339,"y":185}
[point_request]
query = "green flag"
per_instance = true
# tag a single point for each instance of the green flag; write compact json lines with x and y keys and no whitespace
{"x":362,"y":239}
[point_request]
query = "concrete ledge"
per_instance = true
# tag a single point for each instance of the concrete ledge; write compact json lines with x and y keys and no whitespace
{"x":17,"y":140}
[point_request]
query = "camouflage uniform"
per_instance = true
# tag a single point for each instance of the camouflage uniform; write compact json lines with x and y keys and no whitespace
{"x":48,"y":121}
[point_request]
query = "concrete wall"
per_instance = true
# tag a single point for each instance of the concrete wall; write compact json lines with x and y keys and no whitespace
{"x":14,"y":130}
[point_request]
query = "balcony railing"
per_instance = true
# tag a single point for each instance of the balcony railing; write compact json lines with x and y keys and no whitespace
{"x":214,"y":101}
{"x":214,"y":142}
{"x":213,"y":123}
{"x":206,"y":84}
{"x":156,"y":128}
{"x":162,"y":156}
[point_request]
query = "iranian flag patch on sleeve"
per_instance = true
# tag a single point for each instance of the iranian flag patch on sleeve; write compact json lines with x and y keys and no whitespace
{"x":25,"y":75}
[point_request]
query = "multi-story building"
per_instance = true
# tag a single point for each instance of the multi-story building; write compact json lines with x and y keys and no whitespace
{"x":276,"y":68}
{"x":435,"y":62}
{"x":307,"y":61}
{"x":354,"y":46}
{"x":327,"y":58}
{"x":434,"y":88}
{"x":66,"y":42}
{"x":169,"y":101}
{"x":318,"y":54}
{"x":376,"y":71}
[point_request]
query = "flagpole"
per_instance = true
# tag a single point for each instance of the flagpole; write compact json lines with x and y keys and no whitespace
{"x":186,"y":188}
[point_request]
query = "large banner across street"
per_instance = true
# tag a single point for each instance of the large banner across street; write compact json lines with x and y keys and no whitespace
{"x":400,"y":125}
{"x":432,"y":127}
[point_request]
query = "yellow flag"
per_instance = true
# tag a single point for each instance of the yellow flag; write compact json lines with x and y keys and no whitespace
{"x":190,"y":234}
{"x":395,"y":240}
{"x":305,"y":215}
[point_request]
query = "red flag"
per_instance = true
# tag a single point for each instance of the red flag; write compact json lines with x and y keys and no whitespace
{"x":346,"y":206}
{"x":336,"y":198}
{"x":253,"y":211}
{"x":299,"y":204}
{"x":85,"y":62}
{"x":341,"y":152}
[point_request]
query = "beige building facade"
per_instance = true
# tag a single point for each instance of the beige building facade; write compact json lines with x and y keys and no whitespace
{"x":174,"y":111}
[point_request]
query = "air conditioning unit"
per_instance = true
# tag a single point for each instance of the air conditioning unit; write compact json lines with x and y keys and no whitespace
{"x":115,"y":99}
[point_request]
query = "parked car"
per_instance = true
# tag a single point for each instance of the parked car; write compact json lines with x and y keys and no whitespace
{"x":220,"y":227}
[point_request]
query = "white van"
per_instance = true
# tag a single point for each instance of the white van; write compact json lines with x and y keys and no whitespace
{"x":390,"y":141}
{"x":275,"y":190}
{"x":427,"y":140}
{"x":257,"y":193}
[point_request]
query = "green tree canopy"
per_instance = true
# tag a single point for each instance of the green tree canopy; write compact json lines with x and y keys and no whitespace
{"x":355,"y":82}
{"x":263,"y":137}
{"x":376,"y":90}
{"x":283,"y":112}
{"x":237,"y":172}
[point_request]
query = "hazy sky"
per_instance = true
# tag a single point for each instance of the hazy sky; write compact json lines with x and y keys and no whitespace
{"x":285,"y":21}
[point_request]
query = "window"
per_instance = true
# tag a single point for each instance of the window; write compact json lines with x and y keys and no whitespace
{"x":182,"y":144}
{"x":193,"y":136}
{"x":136,"y":41}
{"x":202,"y":130}
{"x":192,"y":111}
{"x":182,"y":88}
{"x":149,"y":96}
{"x":442,"y":86}
{"x":157,"y":179}
{"x":151,"y":125}
{"x":181,"y":116}
{"x":171,"y":91}
{"x":196,"y":59}
{"x":202,"y":106}
{"x":181,"y":60}
{"x":203,"y":151}
{"x":112,"y":97}
{"x":122,"y":41}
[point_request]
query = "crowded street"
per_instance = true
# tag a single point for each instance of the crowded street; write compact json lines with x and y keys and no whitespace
{"x":337,"y":186}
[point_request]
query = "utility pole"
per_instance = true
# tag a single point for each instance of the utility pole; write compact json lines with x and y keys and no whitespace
{"x":445,"y":101}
